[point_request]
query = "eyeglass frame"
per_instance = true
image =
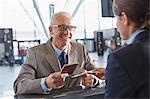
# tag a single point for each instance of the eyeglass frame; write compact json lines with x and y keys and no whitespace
{"x":61,"y":28}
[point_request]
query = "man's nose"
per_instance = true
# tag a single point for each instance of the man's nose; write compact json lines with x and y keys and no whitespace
{"x":67,"y":31}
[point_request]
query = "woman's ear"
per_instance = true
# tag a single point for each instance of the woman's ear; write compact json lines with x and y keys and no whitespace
{"x":125,"y":19}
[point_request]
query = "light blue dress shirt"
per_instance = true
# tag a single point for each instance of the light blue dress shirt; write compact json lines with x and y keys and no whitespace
{"x":134,"y":34}
{"x":58,"y":52}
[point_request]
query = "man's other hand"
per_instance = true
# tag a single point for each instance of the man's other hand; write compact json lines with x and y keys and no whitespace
{"x":87,"y":80}
{"x":56,"y":80}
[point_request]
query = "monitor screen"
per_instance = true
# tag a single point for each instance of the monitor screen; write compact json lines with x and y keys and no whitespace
{"x":106,"y":6}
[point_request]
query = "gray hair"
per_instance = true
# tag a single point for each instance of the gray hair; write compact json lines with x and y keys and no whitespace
{"x":58,"y":14}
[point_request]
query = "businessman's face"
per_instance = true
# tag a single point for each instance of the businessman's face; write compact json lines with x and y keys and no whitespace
{"x":62,"y":30}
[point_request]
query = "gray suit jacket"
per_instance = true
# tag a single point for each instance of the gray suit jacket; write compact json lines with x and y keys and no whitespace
{"x":41,"y":61}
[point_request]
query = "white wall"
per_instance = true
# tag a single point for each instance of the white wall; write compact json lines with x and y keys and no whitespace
{"x":13,"y":15}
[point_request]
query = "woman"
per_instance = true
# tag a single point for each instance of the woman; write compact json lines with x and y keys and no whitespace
{"x":127,"y":73}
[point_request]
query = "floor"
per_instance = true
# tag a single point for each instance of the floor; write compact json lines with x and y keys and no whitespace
{"x":7,"y":77}
{"x":9,"y":73}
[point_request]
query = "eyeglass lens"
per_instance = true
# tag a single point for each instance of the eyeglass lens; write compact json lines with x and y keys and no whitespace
{"x":65,"y":27}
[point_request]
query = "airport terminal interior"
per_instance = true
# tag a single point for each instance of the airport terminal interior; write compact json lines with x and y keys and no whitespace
{"x":24,"y":24}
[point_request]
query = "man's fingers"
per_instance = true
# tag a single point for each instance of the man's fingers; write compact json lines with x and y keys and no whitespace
{"x":87,"y":80}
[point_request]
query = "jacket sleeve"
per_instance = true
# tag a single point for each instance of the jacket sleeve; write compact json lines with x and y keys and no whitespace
{"x":117,"y":80}
{"x":89,"y":63}
{"x":26,"y":82}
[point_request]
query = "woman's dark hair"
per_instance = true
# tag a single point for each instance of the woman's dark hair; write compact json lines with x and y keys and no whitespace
{"x":137,"y":10}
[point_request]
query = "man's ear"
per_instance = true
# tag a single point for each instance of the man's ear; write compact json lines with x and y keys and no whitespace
{"x":125,"y":18}
{"x":50,"y":29}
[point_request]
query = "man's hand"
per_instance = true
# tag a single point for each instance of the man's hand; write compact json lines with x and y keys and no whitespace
{"x":100,"y":73}
{"x":56,"y":80}
{"x":87,"y":80}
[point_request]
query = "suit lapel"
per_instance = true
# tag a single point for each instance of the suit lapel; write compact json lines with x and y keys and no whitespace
{"x":72,"y":54}
{"x":52,"y":58}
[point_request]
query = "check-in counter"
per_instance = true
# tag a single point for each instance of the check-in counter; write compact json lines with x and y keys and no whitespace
{"x":88,"y":93}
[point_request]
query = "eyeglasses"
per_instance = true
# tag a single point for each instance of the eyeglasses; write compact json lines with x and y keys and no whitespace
{"x":63,"y":27}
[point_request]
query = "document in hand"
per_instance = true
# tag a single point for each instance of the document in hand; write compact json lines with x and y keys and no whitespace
{"x":69,"y":68}
{"x":83,"y":73}
{"x":78,"y":75}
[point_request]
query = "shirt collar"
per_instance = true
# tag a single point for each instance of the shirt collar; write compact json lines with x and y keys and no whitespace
{"x":134,"y":34}
{"x":58,"y":51}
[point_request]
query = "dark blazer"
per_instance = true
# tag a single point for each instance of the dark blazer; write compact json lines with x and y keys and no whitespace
{"x":127,"y":73}
{"x":41,"y":61}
